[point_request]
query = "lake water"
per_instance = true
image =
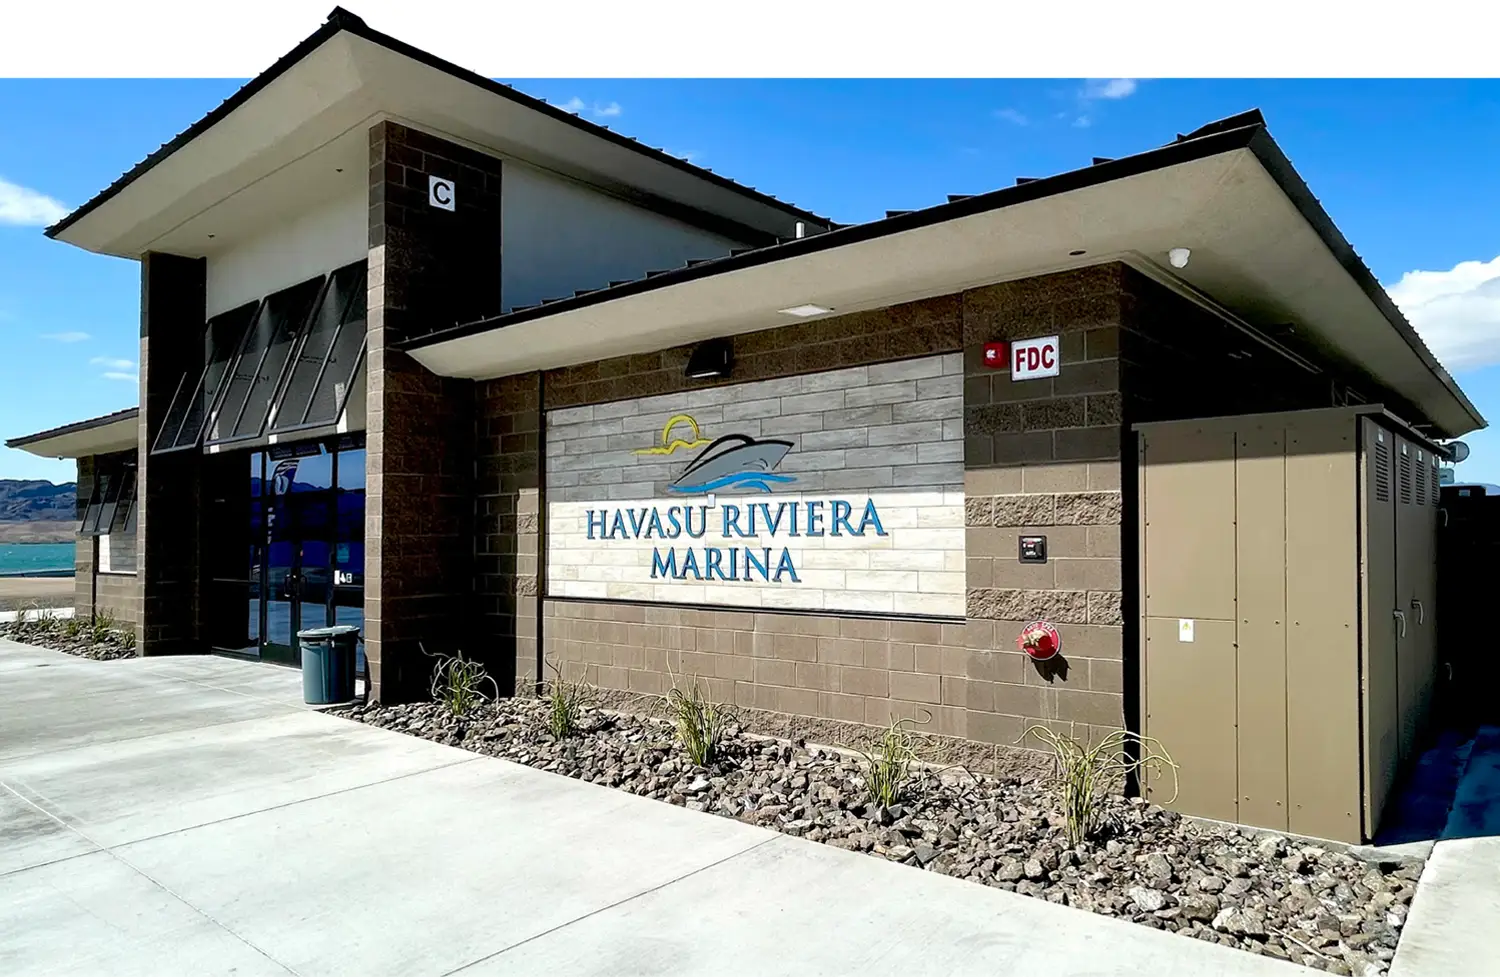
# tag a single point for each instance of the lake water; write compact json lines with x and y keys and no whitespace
{"x":32,"y":557}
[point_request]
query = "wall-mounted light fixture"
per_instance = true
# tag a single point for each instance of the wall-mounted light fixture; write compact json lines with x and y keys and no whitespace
{"x":710,"y":360}
{"x":1179,"y":257}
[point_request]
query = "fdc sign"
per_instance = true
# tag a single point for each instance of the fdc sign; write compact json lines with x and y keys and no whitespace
{"x":1033,"y":358}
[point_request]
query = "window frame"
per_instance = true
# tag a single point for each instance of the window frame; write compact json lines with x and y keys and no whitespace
{"x":297,"y":332}
{"x":345,"y":319}
{"x":210,"y":409}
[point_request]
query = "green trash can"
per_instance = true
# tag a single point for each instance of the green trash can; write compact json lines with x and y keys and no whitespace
{"x":328,"y":664}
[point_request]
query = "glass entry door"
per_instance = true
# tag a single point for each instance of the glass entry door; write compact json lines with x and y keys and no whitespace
{"x":304,"y":512}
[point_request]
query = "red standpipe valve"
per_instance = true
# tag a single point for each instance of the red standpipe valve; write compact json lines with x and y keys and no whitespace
{"x":1039,"y":640}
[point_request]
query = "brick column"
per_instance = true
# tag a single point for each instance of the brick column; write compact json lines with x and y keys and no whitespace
{"x":173,"y":300}
{"x":428,"y":268}
{"x":507,"y":512}
{"x":1043,"y":457}
{"x":85,"y":552}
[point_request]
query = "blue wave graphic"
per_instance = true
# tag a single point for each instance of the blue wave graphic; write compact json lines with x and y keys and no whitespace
{"x":743,"y":480}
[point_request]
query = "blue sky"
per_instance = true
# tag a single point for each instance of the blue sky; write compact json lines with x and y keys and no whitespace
{"x":1407,"y":170}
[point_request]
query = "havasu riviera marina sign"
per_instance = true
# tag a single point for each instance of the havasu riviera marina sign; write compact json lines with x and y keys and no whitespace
{"x":837,"y":490}
{"x":733,"y":524}
{"x":734,"y":462}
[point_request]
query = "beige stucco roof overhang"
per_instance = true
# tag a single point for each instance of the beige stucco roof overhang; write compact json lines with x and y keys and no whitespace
{"x":96,"y":436}
{"x":298,"y":131}
{"x":1263,"y":251}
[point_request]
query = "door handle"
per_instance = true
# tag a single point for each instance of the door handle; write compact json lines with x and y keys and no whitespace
{"x":1445,"y":517}
{"x":1421,"y":613}
{"x":1401,"y":616}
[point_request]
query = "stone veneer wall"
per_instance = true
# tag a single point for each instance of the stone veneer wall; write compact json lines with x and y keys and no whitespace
{"x":1042,"y":454}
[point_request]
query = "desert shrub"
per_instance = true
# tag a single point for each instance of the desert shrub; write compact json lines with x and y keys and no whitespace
{"x":1083,"y":775}
{"x":458,"y":684}
{"x":702,"y":724}
{"x":889,"y":758}
{"x":567,"y":698}
{"x":102,"y":628}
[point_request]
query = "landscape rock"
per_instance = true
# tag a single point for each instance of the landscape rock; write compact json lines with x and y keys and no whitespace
{"x":1307,"y":904}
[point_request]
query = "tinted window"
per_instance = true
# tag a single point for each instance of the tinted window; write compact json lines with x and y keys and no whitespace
{"x":196,"y":396}
{"x":344,"y":358}
{"x":268,"y":344}
{"x":330,"y":334}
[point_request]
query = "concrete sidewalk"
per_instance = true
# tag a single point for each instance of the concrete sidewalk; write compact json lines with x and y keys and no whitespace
{"x":1454,"y":926}
{"x":190,"y":816}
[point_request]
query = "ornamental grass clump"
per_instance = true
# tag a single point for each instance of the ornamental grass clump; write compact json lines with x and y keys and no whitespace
{"x":566,"y":698}
{"x":102,"y":628}
{"x":36,"y":619}
{"x":889,"y":759}
{"x":702,"y":725}
{"x":1083,"y":774}
{"x":458,"y":684}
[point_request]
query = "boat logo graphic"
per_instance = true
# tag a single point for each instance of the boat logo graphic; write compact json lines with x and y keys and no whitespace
{"x":732,"y":462}
{"x":283,"y":476}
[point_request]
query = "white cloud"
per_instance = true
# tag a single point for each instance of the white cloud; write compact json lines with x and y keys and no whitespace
{"x":27,"y":207}
{"x":1082,"y":122}
{"x":1456,"y":312}
{"x":1011,"y":116}
{"x":1109,"y":88}
{"x":113,"y":363}
{"x":578,"y":106}
{"x":116,"y":375}
{"x":66,"y":337}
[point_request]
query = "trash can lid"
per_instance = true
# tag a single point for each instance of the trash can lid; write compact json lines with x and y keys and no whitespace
{"x":333,"y":632}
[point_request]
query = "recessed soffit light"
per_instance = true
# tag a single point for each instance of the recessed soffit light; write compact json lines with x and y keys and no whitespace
{"x":803,"y":311}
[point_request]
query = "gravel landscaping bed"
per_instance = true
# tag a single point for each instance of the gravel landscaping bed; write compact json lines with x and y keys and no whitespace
{"x":101,"y":645}
{"x":1313,"y":905}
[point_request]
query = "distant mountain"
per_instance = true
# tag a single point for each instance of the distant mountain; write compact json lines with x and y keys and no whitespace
{"x":32,"y":500}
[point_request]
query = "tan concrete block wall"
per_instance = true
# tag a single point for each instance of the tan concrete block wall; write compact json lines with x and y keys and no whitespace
{"x":1044,"y":458}
{"x":1041,"y":454}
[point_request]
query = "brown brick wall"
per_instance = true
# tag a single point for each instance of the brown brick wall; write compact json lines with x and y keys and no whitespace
{"x":1181,"y":361}
{"x":428,"y":268}
{"x":894,"y":333}
{"x":507,"y":523}
{"x":168,"y":511}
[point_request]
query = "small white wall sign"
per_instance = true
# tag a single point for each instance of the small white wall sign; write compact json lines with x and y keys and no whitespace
{"x":440,"y":192}
{"x":1033,"y":358}
{"x":1185,"y":629}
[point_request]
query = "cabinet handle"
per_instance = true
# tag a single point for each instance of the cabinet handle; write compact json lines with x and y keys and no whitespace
{"x":1421,"y":614}
{"x":1401,"y":616}
{"x":1445,"y":517}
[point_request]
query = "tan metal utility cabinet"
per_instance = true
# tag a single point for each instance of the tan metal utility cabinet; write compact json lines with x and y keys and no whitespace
{"x":1288,"y":577}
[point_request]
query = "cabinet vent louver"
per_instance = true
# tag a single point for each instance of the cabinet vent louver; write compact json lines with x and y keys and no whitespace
{"x":1382,"y":472}
{"x":1436,"y":485}
{"x":1421,"y":494}
{"x":1405,"y":479}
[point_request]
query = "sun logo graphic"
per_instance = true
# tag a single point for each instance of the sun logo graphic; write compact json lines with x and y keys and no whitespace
{"x":670,"y":444}
{"x":734,"y":461}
